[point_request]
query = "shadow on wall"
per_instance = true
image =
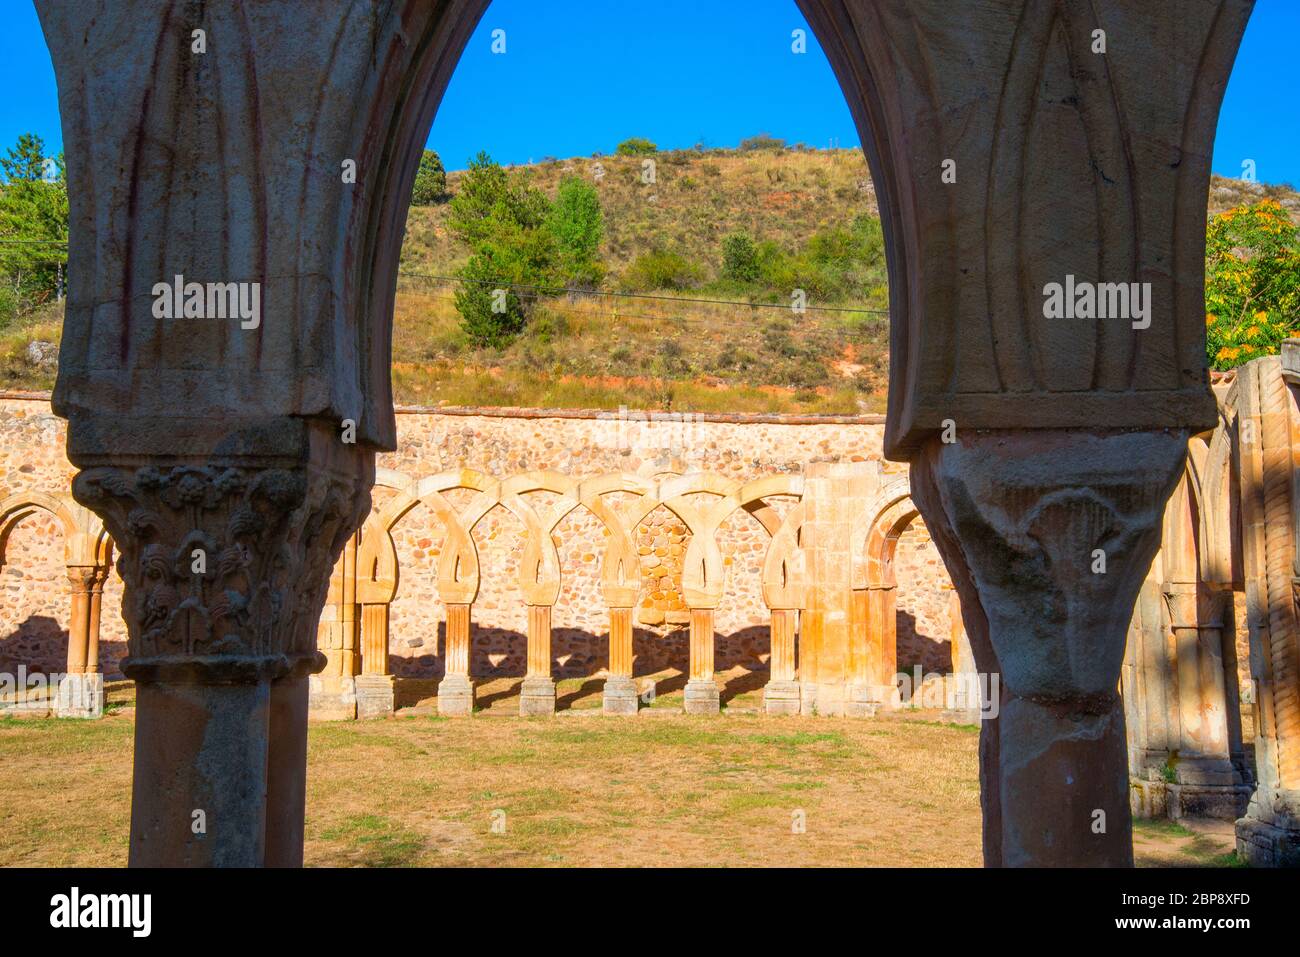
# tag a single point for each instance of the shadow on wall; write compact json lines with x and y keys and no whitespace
{"x":502,"y":653}
{"x":915,"y":647}
{"x":40,"y":644}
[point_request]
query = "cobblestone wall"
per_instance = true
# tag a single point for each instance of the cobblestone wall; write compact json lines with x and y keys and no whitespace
{"x":34,"y":599}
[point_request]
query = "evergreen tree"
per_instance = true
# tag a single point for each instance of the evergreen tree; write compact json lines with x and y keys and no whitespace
{"x":578,"y":226}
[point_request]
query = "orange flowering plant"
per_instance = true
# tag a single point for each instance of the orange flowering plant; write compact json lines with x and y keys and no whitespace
{"x":1252,"y":283}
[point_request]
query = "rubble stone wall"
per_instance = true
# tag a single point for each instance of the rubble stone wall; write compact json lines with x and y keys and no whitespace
{"x":34,"y":602}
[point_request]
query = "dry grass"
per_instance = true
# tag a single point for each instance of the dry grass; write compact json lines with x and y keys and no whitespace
{"x":660,"y":789}
{"x":601,"y":353}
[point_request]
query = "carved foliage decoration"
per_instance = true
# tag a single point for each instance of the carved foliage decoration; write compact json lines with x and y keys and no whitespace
{"x":222,"y":561}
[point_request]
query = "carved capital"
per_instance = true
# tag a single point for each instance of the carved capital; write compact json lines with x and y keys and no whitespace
{"x":83,"y":578}
{"x":226,"y":564}
{"x":1057,"y":531}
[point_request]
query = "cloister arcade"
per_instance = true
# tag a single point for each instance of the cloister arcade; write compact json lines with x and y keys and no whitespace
{"x":1071,"y":158}
{"x":1196,"y":749}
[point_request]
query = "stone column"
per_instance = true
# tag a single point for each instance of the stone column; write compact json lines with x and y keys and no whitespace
{"x":1205,"y":781}
{"x":1268,"y":444}
{"x":964,"y":695}
{"x":456,"y":689}
{"x":620,"y":695}
{"x":81,"y":691}
{"x":701,"y":688}
{"x":781,"y":695}
{"x":80,"y":577}
{"x":1021,"y":521}
{"x":874,"y":650}
{"x":375,"y":683}
{"x":882,"y":614}
{"x":834,"y":496}
{"x":96,"y":610}
{"x":333,"y":692}
{"x":225,"y":563}
{"x":286,"y":784}
{"x":537,"y":695}
{"x":1147,"y":687}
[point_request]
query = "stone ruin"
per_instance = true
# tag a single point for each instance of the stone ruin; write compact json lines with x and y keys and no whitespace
{"x":1034,"y":442}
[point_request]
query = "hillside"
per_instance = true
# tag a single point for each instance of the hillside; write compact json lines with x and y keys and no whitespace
{"x":638,"y":346}
{"x":644,"y":352}
{"x":649,"y":349}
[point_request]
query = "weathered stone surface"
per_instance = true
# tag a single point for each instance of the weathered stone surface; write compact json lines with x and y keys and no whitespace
{"x":1020,"y":519}
{"x":1068,"y":160}
{"x":620,"y":696}
{"x":1265,"y":426}
{"x":374,"y":695}
{"x":456,"y":696}
{"x":701,"y":697}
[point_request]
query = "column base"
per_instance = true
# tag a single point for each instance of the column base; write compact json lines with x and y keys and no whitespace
{"x":80,"y":696}
{"x":456,"y":696}
{"x":961,"y":698}
{"x":1148,"y":800}
{"x":331,"y":698}
{"x":620,"y":696}
{"x":1221,"y":802}
{"x":781,"y":697}
{"x":1269,"y":836}
{"x":702,"y":697}
{"x":374,"y":696}
{"x":862,"y":702}
{"x":537,"y":696}
{"x":837,"y":699}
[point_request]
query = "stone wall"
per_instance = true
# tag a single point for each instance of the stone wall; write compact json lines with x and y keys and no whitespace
{"x":34,"y":599}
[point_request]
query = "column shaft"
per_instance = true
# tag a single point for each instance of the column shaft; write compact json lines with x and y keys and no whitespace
{"x":701,"y":688}
{"x":537,"y":694}
{"x":286,"y":771}
{"x":781,"y":696}
{"x":199,"y":787}
{"x":456,"y":690}
{"x":619,"y":694}
{"x":374,"y":686}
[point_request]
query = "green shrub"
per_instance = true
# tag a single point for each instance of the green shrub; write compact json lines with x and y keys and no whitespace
{"x":636,"y":146}
{"x":761,"y":142}
{"x":739,"y":258}
{"x":1252,"y":283}
{"x":578,"y":226}
{"x":34,"y":221}
{"x":430,"y":181}
{"x":505,"y":222}
{"x":660,"y":269}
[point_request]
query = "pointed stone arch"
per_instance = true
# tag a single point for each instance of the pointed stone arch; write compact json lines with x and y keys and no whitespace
{"x":1107,"y":156}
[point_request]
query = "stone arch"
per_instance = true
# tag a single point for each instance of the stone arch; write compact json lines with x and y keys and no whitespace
{"x":21,"y":505}
{"x":703,"y":571}
{"x":378,"y":574}
{"x":620,"y":573}
{"x":87,"y":553}
{"x":1180,"y":681}
{"x":1117,"y":179}
{"x":873,"y":652}
{"x":539,"y":574}
{"x":458,"y":566}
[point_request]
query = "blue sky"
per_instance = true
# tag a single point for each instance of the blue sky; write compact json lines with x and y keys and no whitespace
{"x":578,"y":76}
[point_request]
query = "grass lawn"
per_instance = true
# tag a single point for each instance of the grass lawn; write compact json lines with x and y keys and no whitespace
{"x":579,"y":789}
